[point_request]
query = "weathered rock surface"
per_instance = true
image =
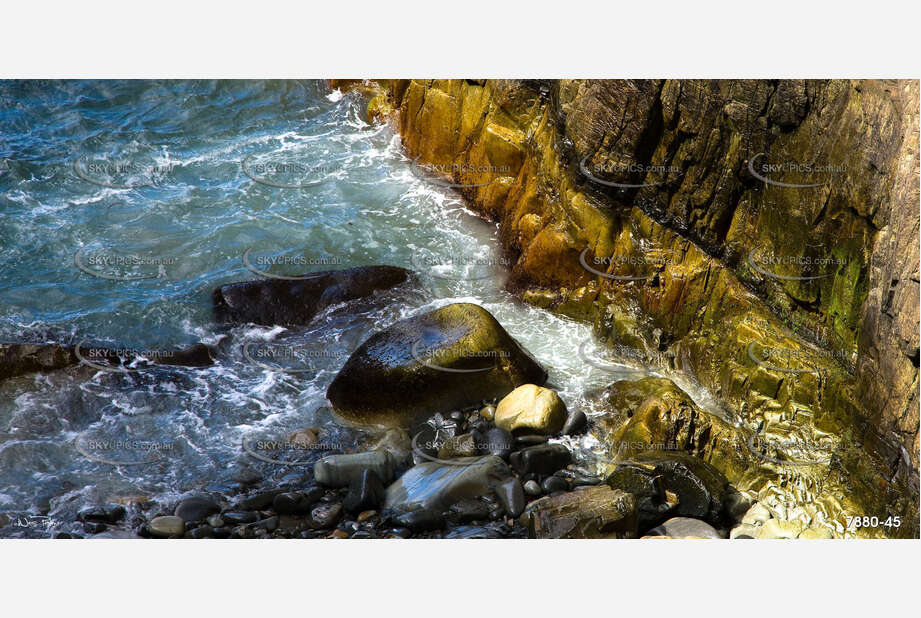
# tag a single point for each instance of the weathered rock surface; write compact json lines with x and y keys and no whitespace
{"x":686,"y":211}
{"x":450,"y":358}
{"x":22,"y":358}
{"x":295,"y":302}
{"x":591,"y":513}
{"x":532,"y":409}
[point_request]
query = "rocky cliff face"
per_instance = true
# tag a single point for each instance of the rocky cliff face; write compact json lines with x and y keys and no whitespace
{"x":762,"y":233}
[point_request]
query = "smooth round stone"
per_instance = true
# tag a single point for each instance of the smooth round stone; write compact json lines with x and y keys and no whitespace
{"x":202,"y":532}
{"x":532,"y":488}
{"x":235,"y":518}
{"x":498,"y":442}
{"x":295,"y":502}
{"x":458,"y":417}
{"x":166,"y":526}
{"x":215,"y":521}
{"x":366,"y":515}
{"x":530,"y":440}
{"x":107,"y":513}
{"x":196,"y":508}
{"x":679,"y":527}
{"x":488,"y":412}
{"x":326,"y":515}
{"x":575,"y":424}
{"x":553,"y":484}
{"x":511,"y":496}
{"x":403,"y":533}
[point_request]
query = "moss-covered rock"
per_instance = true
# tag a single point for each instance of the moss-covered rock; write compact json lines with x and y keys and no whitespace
{"x":453,"y":357}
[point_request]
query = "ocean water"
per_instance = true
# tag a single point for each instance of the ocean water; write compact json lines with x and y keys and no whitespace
{"x":124,"y":204}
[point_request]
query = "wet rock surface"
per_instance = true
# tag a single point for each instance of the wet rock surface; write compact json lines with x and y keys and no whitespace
{"x":295,"y":302}
{"x":449,"y":358}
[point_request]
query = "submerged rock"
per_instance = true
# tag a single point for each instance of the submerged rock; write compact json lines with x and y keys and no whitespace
{"x":531,"y":409}
{"x":593,"y":513}
{"x":295,"y":302}
{"x":341,"y":470}
{"x":670,"y":484}
{"x":436,"y":486}
{"x":447,"y":359}
{"x":21,"y":358}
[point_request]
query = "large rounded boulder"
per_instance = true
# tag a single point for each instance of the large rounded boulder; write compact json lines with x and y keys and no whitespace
{"x":449,"y":358}
{"x":295,"y":301}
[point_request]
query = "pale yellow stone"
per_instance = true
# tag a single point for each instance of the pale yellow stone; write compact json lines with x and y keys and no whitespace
{"x":779,"y":529}
{"x":816,"y":533}
{"x":533,"y":408}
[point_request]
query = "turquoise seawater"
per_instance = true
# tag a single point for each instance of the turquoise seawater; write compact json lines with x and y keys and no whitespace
{"x":124,"y":204}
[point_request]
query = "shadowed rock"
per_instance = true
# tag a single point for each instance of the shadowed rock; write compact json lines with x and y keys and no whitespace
{"x":295,"y":302}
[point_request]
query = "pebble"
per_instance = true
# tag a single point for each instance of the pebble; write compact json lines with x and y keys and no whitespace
{"x":541,"y":459}
{"x":94,"y":527}
{"x":678,"y":527}
{"x":326,"y":515}
{"x":166,"y":526}
{"x":554,"y":483}
{"x":499,"y":442}
{"x":511,"y":496}
{"x":530,"y":440}
{"x":421,"y":520}
{"x":107,"y":513}
{"x":258,"y":501}
{"x":202,"y":532}
{"x":235,"y":518}
{"x":488,"y":412}
{"x":532,"y":488}
{"x":196,"y":508}
{"x":402,"y":533}
{"x":365,"y":492}
{"x":295,"y":502}
{"x":366,"y":515}
{"x":575,"y":424}
{"x":338,"y":534}
{"x":215,"y":521}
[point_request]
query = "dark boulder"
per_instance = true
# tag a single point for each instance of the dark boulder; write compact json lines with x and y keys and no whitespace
{"x":671,"y":484}
{"x":447,"y":359}
{"x":21,"y":358}
{"x":295,"y":302}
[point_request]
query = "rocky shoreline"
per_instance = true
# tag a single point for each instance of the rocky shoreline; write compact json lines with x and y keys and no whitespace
{"x":470,"y":440}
